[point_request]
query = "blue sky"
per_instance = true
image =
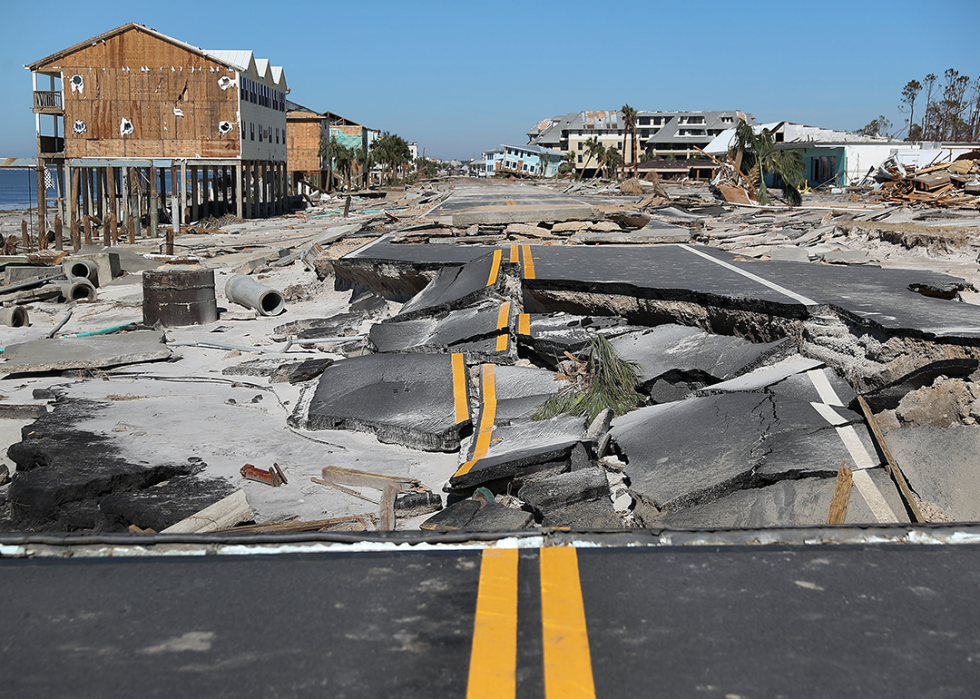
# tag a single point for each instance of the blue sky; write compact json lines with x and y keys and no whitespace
{"x":461,"y":77}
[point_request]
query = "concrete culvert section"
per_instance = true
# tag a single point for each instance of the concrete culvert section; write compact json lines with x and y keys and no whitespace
{"x":247,"y":292}
{"x":84,"y":269}
{"x":77,"y":290}
{"x":15,"y":317}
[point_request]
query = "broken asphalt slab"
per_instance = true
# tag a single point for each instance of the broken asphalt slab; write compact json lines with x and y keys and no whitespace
{"x":880,"y":298}
{"x":63,"y":472}
{"x":694,"y":451}
{"x":92,"y":352}
{"x":443,"y":332}
{"x":788,"y":503}
{"x":518,"y":451}
{"x":456,"y":287}
{"x":417,"y":400}
{"x":677,"y":353}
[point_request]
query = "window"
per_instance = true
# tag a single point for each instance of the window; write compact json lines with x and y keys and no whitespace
{"x":277,"y":134}
{"x":580,"y":158}
{"x":252,"y":130}
{"x":619,"y":145}
{"x":644,"y":121}
{"x":644,"y":133}
{"x":726,"y":120}
{"x":580,"y":147}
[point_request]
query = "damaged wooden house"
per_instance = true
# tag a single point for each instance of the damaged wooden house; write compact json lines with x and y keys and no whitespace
{"x":131,"y":115}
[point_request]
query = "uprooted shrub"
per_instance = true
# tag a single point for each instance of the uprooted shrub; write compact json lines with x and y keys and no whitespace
{"x":604,"y":380}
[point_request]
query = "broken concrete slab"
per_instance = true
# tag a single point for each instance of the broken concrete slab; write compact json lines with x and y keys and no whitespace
{"x":569,"y":227}
{"x":92,"y":352}
{"x":654,"y":232}
{"x":846,"y":257}
{"x":788,"y":254}
{"x":551,"y":335}
{"x":280,"y":369}
{"x":523,"y":229}
{"x":408,"y":399}
{"x":497,"y":215}
{"x":761,"y":378}
{"x":591,"y":515}
{"x":941,"y":467}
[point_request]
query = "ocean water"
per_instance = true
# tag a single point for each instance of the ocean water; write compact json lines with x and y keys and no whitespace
{"x":18,"y":189}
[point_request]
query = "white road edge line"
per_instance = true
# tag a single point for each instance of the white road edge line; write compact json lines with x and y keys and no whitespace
{"x":748,"y":275}
{"x":879,"y":507}
{"x":824,"y":389}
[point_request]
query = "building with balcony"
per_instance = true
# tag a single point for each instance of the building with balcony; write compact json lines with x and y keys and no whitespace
{"x":674,"y":135}
{"x":117,"y":113}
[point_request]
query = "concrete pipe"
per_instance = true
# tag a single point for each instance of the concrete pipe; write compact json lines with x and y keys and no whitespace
{"x":245,"y":291}
{"x":15,"y":317}
{"x":77,"y":290}
{"x":83,"y":269}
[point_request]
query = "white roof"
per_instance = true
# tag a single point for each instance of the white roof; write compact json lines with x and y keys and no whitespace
{"x":237,"y":59}
{"x":243,"y":60}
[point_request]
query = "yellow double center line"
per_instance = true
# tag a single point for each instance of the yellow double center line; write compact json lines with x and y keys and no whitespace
{"x":503,"y":321}
{"x":488,"y":414}
{"x":567,"y":659}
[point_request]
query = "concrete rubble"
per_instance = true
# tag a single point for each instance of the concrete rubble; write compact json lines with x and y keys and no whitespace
{"x":415,"y":346}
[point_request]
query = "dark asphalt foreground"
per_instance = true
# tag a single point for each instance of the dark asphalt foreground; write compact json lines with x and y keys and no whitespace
{"x":819,"y":621}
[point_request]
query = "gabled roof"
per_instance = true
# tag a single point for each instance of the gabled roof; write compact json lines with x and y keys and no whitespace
{"x":236,"y":60}
{"x":240,"y":60}
{"x":539,"y":150}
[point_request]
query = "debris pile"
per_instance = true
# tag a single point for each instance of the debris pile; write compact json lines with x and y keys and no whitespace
{"x":522,"y":376}
{"x":945,"y":184}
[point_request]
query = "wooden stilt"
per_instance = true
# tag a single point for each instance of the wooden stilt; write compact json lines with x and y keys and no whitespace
{"x":109,"y":233}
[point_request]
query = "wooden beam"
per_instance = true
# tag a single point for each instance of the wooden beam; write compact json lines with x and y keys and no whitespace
{"x":842,"y":492}
{"x":76,"y":176}
{"x":109,"y":233}
{"x":893,"y":469}
{"x":42,"y":193}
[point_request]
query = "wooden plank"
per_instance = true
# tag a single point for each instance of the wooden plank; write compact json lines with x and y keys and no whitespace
{"x":287,"y":527}
{"x":367,"y":479}
{"x":344,"y":489}
{"x":842,"y":492}
{"x":387,"y":522}
{"x":225,"y":513}
{"x":890,"y":463}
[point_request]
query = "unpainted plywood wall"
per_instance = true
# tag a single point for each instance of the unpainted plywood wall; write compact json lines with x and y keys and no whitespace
{"x":150,"y":83}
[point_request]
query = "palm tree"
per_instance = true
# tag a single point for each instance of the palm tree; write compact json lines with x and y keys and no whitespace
{"x":611,"y":159}
{"x":594,"y":149}
{"x":758,"y":154}
{"x":629,"y":117}
{"x":341,"y":157}
{"x":568,"y":163}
